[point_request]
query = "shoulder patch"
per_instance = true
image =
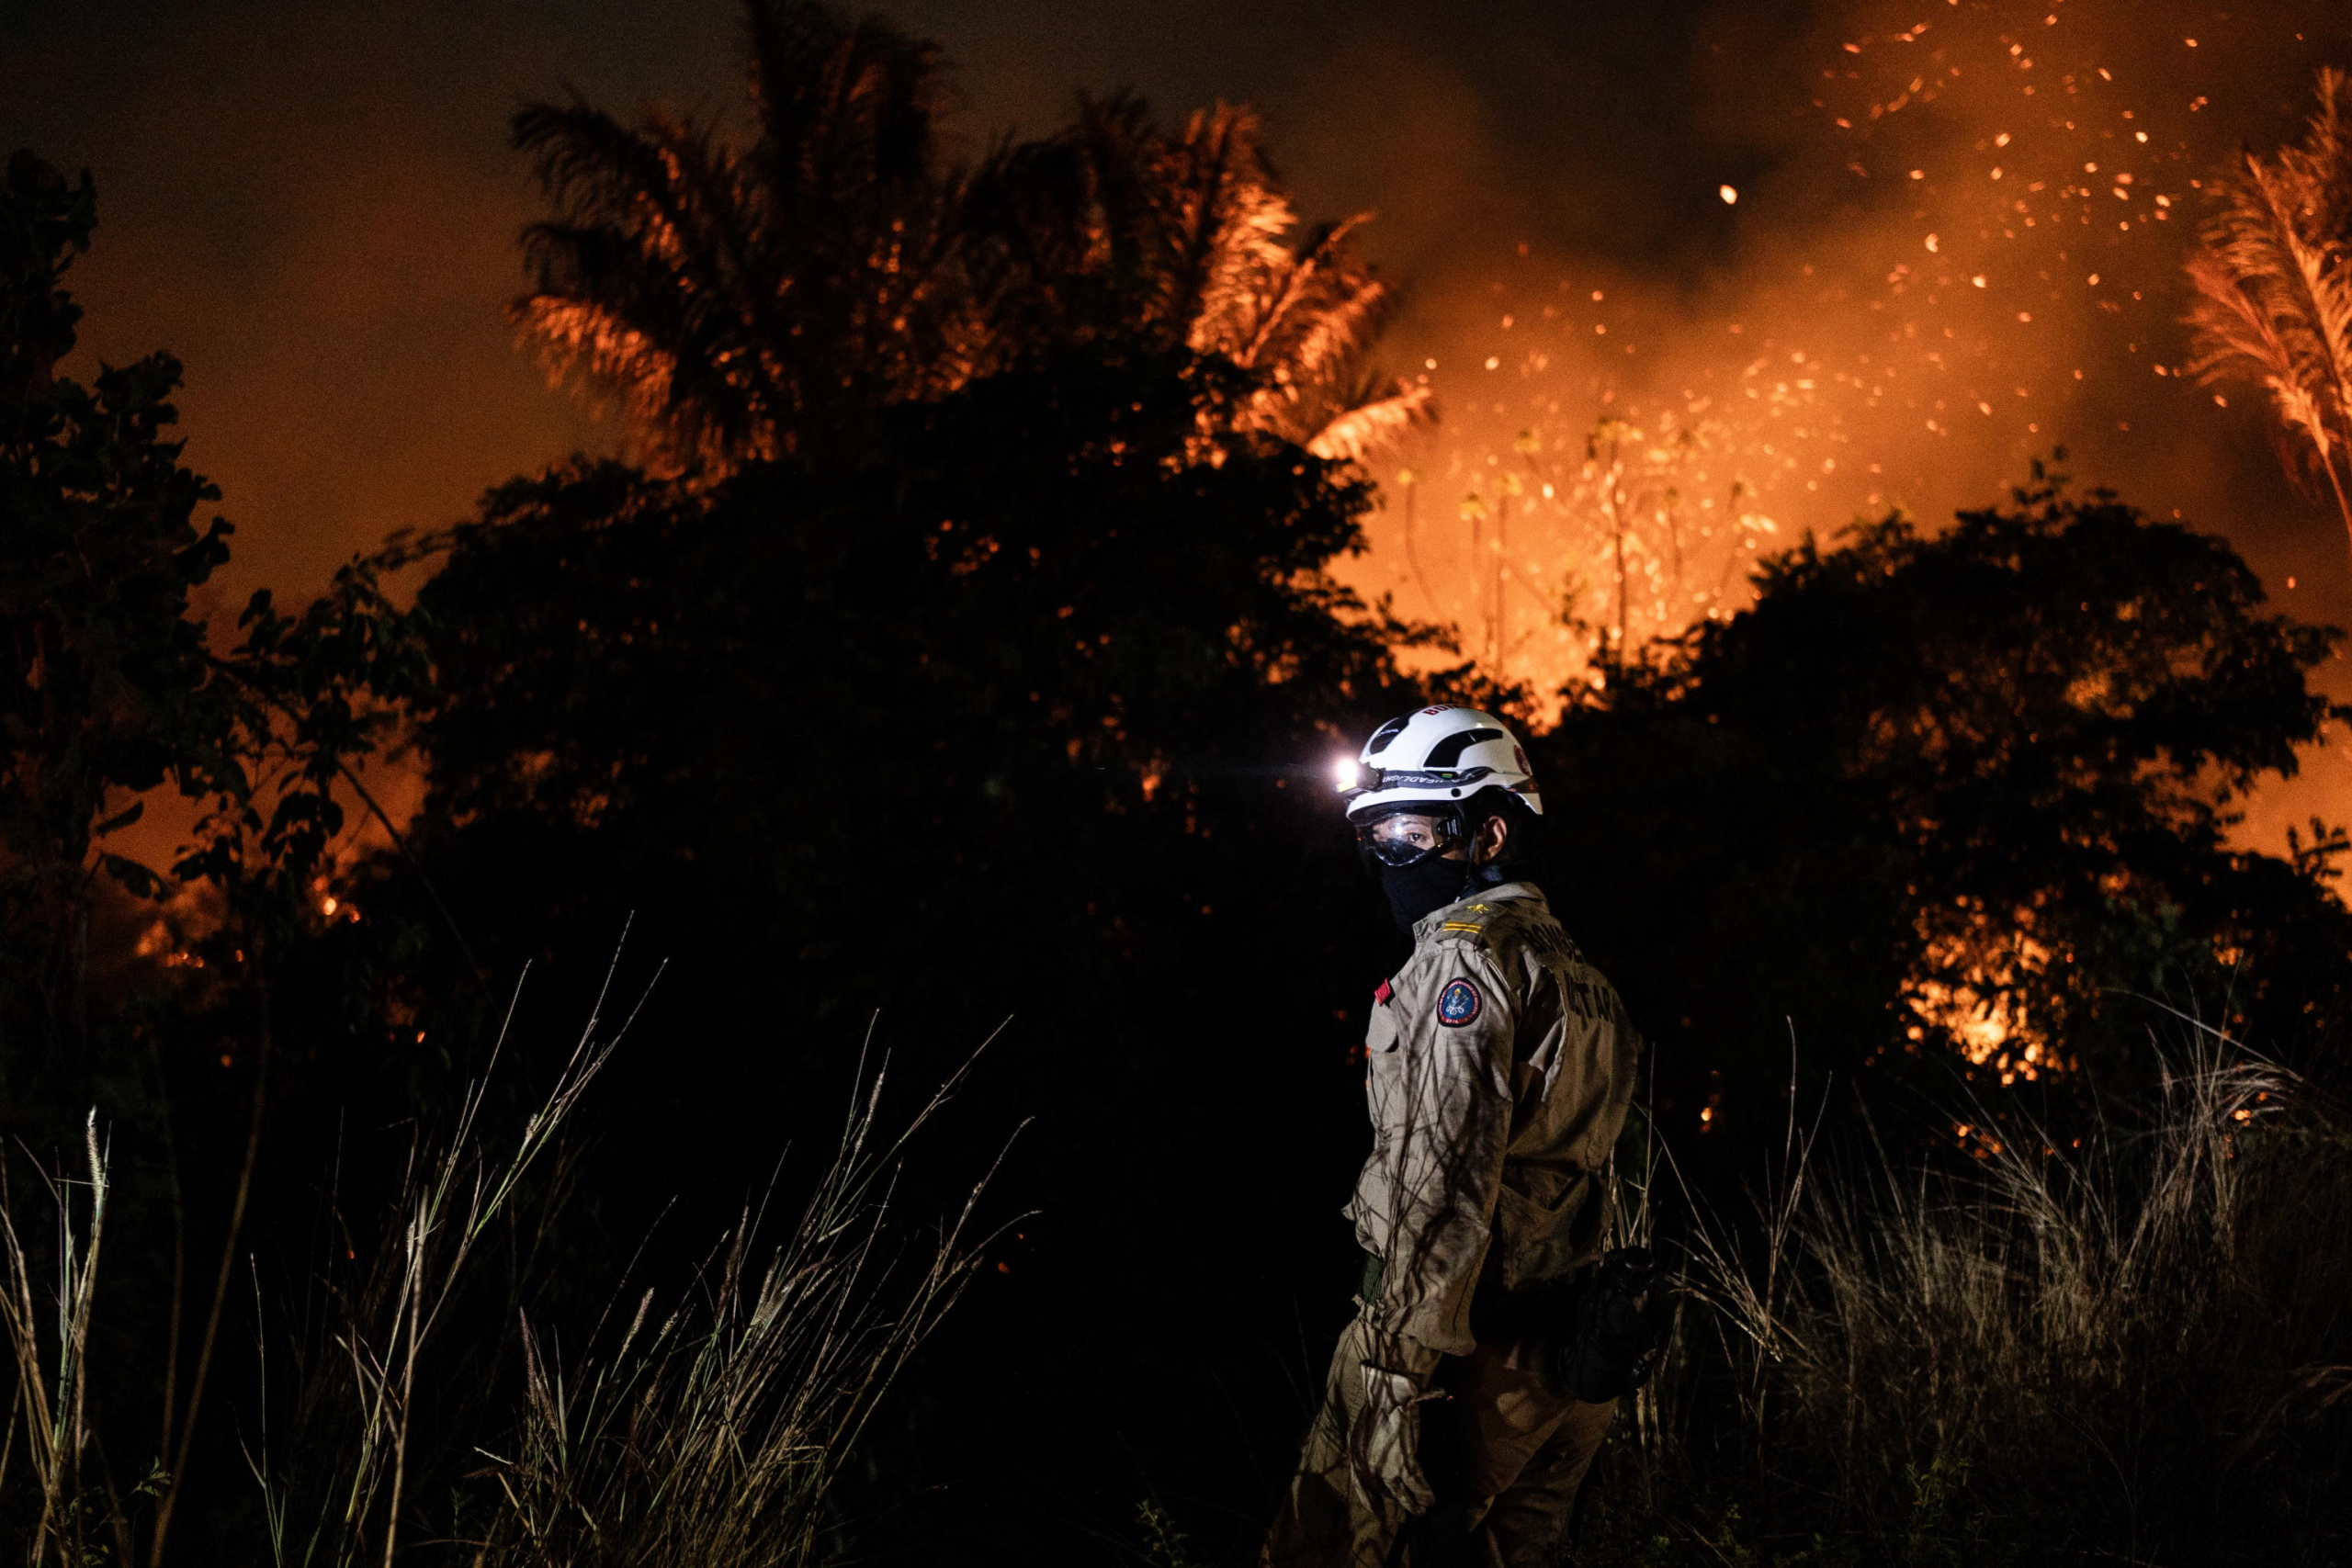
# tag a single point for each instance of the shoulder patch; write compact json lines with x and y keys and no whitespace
{"x":1458,"y":1003}
{"x":1472,"y":927}
{"x":1384,"y":991}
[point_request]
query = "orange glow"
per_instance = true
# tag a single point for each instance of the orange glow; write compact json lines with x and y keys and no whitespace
{"x":1969,"y":989}
{"x":1965,"y":260}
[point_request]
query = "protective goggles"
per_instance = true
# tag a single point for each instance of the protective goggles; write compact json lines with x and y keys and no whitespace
{"x":1408,"y":838}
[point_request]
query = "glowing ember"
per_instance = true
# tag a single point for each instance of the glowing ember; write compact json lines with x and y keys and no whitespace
{"x":1903,"y":336}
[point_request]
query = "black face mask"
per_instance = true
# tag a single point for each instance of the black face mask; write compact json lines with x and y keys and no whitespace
{"x":1422,"y":887}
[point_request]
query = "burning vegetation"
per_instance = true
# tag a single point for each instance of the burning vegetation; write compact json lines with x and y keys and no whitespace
{"x":1977,"y":242}
{"x":1001,"y":551}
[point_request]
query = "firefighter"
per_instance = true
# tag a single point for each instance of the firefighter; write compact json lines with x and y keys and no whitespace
{"x":1500,"y":1069}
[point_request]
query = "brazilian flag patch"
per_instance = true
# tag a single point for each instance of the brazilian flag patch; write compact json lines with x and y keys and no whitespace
{"x":1458,"y":1003}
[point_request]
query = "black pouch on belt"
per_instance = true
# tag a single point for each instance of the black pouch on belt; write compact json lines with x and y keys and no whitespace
{"x":1610,"y":1346}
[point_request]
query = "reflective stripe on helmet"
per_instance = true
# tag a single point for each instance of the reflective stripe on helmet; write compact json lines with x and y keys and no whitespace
{"x":1437,"y":756}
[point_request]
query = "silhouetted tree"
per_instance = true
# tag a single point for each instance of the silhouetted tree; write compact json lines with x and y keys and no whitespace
{"x":115,"y":692}
{"x":1022,"y":704}
{"x":111,"y":689}
{"x":1032,"y":628}
{"x":733,"y":300}
{"x":1962,"y":791}
{"x":117,"y":687}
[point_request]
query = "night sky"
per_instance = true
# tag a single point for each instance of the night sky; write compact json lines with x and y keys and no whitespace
{"x":314,"y":205}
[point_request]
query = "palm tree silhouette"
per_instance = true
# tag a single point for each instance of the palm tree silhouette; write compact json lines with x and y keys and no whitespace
{"x":2273,"y":274}
{"x":730,"y":301}
{"x":724,"y":297}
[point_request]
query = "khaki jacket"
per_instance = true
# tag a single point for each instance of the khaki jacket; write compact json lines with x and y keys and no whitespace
{"x":1501,"y":1068}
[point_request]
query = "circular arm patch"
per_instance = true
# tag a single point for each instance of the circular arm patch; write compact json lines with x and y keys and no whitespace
{"x":1458,"y":1003}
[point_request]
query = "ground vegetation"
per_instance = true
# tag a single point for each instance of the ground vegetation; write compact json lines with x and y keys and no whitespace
{"x":958,"y":658}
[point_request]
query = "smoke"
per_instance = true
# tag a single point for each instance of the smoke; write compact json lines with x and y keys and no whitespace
{"x":313,"y":208}
{"x":313,"y":205}
{"x":1895,"y":257}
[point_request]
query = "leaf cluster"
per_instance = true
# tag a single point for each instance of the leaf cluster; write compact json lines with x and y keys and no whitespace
{"x":1967,"y":789}
{"x":734,"y":300}
{"x":1050,"y":587}
{"x":107,"y":686}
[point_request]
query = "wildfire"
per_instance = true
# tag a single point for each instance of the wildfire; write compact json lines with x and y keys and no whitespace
{"x":1968,"y":260}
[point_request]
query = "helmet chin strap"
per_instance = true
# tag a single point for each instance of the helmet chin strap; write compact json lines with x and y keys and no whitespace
{"x":1507,"y":863}
{"x":1491,"y":874}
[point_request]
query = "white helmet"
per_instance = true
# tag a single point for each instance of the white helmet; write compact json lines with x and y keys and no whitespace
{"x":1434,"y":759}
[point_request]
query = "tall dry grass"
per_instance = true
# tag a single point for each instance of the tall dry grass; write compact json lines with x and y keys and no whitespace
{"x":420,"y":1409}
{"x":341,"y":1492}
{"x":2130,"y":1344}
{"x":707,"y":1432}
{"x":711,"y":1434}
{"x":46,"y":1316}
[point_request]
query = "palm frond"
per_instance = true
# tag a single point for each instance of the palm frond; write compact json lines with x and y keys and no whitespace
{"x":730,"y":300}
{"x":1316,"y":304}
{"x":2273,"y":276}
{"x":642,"y":292}
{"x":1369,"y":426}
